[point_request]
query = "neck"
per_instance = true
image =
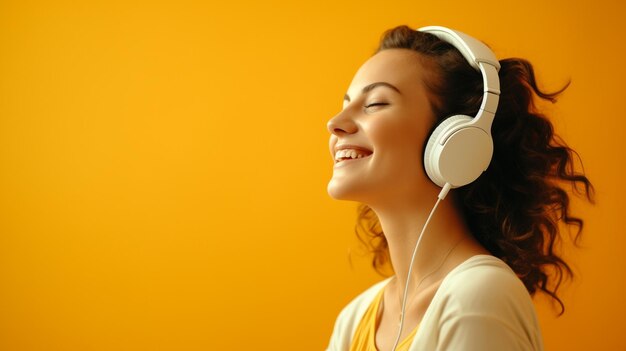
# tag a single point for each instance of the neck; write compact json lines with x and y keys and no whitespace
{"x":402,"y":226}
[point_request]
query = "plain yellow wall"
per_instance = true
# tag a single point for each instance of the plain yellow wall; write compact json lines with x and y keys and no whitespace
{"x":163,"y":166}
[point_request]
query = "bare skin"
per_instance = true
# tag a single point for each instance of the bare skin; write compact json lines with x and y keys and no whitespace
{"x":392,"y":120}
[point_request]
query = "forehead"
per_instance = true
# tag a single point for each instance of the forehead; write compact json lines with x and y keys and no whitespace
{"x":399,"y":67}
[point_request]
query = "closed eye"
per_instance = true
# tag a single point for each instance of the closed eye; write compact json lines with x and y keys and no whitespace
{"x":376,"y":104}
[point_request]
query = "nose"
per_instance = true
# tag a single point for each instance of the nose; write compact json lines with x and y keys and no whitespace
{"x":342,"y":123}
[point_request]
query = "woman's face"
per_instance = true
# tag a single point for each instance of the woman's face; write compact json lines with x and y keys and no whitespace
{"x":385,"y":117}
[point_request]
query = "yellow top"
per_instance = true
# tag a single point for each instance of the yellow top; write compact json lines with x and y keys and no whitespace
{"x":365,"y":336}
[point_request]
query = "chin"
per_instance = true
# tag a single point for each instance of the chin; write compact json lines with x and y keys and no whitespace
{"x":334,"y":192}
{"x":337,"y":192}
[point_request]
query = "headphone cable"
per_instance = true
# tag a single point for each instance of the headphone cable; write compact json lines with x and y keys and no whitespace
{"x":444,"y":191}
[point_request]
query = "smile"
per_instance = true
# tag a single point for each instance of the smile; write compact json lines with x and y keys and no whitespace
{"x":349,"y":160}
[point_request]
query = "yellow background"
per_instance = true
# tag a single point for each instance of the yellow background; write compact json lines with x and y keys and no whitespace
{"x":163,"y":166}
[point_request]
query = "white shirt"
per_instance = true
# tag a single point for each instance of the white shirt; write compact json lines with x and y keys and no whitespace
{"x":481,"y":305}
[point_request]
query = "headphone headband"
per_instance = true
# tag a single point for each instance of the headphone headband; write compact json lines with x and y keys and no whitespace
{"x":473,"y":50}
{"x":479,"y":56}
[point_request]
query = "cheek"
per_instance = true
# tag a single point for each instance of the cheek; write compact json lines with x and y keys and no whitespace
{"x":403,"y":137}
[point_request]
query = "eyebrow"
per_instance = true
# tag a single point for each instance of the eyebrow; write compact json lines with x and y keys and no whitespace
{"x":372,"y":86}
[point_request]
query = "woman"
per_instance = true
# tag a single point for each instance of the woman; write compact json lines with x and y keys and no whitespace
{"x":463,"y":277}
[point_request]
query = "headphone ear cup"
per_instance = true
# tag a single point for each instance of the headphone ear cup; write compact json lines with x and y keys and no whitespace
{"x":464,"y":155}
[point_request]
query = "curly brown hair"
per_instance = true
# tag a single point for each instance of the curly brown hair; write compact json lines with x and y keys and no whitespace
{"x":515,"y":207}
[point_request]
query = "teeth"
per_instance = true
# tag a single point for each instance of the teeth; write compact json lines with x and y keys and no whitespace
{"x":351,"y":153}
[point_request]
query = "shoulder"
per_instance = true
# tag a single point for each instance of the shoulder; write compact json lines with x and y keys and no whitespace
{"x":484,"y":283}
{"x":351,"y":315}
{"x":482,"y":304}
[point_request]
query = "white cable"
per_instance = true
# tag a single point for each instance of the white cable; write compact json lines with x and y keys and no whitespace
{"x":441,"y":196}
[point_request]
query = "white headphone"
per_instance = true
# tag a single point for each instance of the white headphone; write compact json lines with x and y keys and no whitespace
{"x":460,"y":148}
